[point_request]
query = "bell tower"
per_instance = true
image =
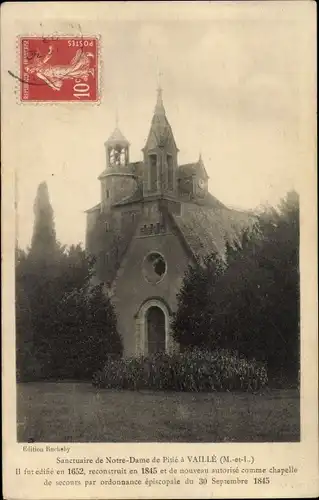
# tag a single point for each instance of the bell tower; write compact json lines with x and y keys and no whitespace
{"x":160,"y":154}
{"x":117,"y":150}
{"x":117,"y":180}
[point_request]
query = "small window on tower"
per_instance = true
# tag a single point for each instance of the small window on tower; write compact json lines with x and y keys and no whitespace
{"x":107,"y":193}
{"x":111,"y":155}
{"x":117,"y":156}
{"x":169,"y":172}
{"x":123,"y":157}
{"x":153,"y":172}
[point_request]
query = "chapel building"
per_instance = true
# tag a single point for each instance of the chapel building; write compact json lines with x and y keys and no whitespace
{"x":154,"y":218}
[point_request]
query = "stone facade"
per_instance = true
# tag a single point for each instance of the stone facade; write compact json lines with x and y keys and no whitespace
{"x":154,"y":218}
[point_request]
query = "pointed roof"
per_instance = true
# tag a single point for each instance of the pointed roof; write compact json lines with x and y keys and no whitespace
{"x":159,"y":108}
{"x":201,"y":166}
{"x":160,"y":133}
{"x":117,"y":138}
{"x":189,"y":169}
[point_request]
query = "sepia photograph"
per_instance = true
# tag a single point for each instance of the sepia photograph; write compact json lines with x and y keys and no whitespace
{"x":157,"y":280}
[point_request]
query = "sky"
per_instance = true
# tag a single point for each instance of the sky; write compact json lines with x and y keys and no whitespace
{"x":233,"y":88}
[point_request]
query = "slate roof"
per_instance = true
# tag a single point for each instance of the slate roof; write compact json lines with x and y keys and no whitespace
{"x":134,"y":168}
{"x":186,"y":170}
{"x":190,"y":169}
{"x":209,"y":201}
{"x":117,"y":170}
{"x":207,"y":229}
{"x":92,"y":209}
{"x":135,"y":197}
{"x":117,"y":138}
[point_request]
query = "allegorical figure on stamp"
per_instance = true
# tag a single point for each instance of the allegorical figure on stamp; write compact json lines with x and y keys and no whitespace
{"x":54,"y":75}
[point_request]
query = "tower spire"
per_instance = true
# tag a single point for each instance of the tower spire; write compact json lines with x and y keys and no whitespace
{"x":159,"y":108}
{"x":160,"y":153}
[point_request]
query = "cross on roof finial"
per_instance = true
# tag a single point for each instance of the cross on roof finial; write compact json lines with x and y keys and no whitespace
{"x":159,"y":108}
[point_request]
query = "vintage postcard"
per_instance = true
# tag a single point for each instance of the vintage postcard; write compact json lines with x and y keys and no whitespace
{"x":159,"y":250}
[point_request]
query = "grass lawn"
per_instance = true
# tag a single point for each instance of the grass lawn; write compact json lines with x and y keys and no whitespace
{"x":78,"y":412}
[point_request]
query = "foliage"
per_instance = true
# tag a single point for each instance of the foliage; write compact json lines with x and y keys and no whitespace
{"x":26,"y":363}
{"x":47,"y":275}
{"x":67,"y":325}
{"x":253,"y":304}
{"x":85,"y":333}
{"x":193,"y":322}
{"x":195,"y":371}
{"x":44,"y":237}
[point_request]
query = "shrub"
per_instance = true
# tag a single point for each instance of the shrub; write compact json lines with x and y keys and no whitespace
{"x":191,"y":371}
{"x":86,"y":334}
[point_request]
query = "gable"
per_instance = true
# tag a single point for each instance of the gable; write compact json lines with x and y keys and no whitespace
{"x":192,"y":169}
{"x":160,"y":134}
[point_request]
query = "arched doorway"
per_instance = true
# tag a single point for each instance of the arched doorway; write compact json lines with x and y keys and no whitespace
{"x":152,"y":327}
{"x":155,"y":328}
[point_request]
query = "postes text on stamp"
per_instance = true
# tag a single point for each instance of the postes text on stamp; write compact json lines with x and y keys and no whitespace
{"x":59,"y":68}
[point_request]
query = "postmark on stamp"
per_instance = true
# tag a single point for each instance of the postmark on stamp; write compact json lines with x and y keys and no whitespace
{"x":59,"y":68}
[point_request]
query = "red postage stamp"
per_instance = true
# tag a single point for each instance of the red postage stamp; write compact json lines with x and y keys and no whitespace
{"x":59,"y":68}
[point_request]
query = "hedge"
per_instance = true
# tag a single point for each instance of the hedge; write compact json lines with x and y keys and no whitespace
{"x":192,"y":371}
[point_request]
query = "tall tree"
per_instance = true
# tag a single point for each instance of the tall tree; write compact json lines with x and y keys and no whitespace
{"x":253,"y":305}
{"x":64,"y":327}
{"x":259,"y":292}
{"x":192,"y":324}
{"x":43,"y":245}
{"x":48,"y":283}
{"x":26,"y":363}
